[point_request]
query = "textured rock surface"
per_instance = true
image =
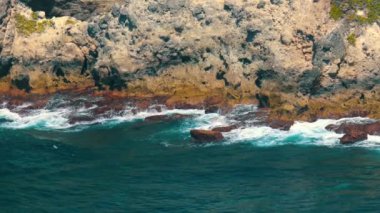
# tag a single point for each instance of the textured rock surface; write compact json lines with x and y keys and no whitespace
{"x":355,"y":132}
{"x":289,"y":54}
{"x":206,"y":135}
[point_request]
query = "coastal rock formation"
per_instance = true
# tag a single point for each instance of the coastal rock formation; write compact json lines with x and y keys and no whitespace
{"x":170,"y":117}
{"x":355,"y":132}
{"x":353,"y":137}
{"x":292,"y":56}
{"x":225,"y":128}
{"x":206,"y":135}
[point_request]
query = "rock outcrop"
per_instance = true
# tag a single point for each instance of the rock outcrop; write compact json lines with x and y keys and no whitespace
{"x":206,"y":135}
{"x":170,"y":117}
{"x":225,"y":128}
{"x":355,"y":132}
{"x":289,"y":55}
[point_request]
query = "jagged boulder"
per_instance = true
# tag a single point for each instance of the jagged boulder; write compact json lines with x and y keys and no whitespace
{"x":280,"y":124}
{"x":206,"y":135}
{"x":169,"y":117}
{"x":353,"y":136}
{"x":355,"y":132}
{"x":225,"y":128}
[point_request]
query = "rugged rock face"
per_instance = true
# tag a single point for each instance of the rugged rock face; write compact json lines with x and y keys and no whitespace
{"x":4,"y":18}
{"x":206,"y":135}
{"x":355,"y":132}
{"x":289,"y":54}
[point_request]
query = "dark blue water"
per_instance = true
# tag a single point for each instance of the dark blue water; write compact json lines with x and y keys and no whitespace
{"x":142,"y":167}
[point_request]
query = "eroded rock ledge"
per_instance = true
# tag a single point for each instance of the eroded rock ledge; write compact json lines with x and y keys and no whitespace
{"x":288,"y":55}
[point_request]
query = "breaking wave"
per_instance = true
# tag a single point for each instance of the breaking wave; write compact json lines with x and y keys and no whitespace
{"x":251,"y":131}
{"x":62,"y":118}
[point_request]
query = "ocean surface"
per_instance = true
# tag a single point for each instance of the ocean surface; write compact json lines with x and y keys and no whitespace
{"x":123,"y":164}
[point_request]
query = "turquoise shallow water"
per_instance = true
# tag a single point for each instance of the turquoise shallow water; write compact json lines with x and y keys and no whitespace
{"x":154,"y":167}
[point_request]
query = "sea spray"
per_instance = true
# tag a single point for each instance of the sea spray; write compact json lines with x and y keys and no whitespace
{"x":301,"y":133}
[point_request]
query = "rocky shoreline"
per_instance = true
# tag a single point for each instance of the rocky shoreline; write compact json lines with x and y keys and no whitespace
{"x":107,"y":105}
{"x":293,"y":58}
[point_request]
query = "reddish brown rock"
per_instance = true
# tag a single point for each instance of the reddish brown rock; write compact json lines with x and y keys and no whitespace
{"x":143,"y":105}
{"x":214,"y":100}
{"x":332,"y":127}
{"x":342,"y":128}
{"x":211,"y":109}
{"x":182,"y":105}
{"x":101,"y":110}
{"x":353,"y":137}
{"x":206,"y":135}
{"x":370,"y":129}
{"x":281,"y":124}
{"x":39,"y":104}
{"x":78,"y":119}
{"x":158,"y":108}
{"x":357,"y":113}
{"x":354,"y":132}
{"x":171,"y":117}
{"x":373,"y":128}
{"x":225,"y":128}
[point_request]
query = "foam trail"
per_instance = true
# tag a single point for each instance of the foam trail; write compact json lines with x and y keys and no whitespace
{"x":43,"y":119}
{"x":58,"y":119}
{"x":301,"y":133}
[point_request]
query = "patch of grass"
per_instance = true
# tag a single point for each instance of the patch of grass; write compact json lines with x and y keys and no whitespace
{"x":348,"y":9}
{"x":27,"y":26}
{"x":351,"y":39}
{"x":34,"y":15}
{"x":336,"y":13}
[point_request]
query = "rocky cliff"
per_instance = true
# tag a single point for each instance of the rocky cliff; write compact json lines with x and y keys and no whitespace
{"x":302,"y":58}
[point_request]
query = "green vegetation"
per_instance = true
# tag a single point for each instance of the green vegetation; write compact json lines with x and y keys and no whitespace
{"x":35,"y":16}
{"x":70,"y":22}
{"x":336,"y":13}
{"x":351,"y":39}
{"x":349,"y":8}
{"x":28,"y":26}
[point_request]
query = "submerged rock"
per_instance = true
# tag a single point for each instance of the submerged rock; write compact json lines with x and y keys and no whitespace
{"x":211,"y":109}
{"x":342,"y":128}
{"x":80,"y":118}
{"x":373,"y":128}
{"x":206,"y":135}
{"x":281,"y":124}
{"x":225,"y":128}
{"x":353,"y":137}
{"x":355,"y":132}
{"x":171,"y":117}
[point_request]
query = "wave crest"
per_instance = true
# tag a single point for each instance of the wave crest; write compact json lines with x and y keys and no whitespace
{"x":250,"y":129}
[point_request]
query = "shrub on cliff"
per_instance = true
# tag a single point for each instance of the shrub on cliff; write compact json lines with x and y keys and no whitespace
{"x":351,"y":39}
{"x":336,"y":12}
{"x":361,"y":11}
{"x":27,"y":26}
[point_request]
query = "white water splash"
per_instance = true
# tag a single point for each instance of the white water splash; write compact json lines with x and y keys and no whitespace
{"x":43,"y":119}
{"x":58,"y":119}
{"x":301,"y":133}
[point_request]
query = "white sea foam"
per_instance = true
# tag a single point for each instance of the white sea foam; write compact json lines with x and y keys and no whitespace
{"x":302,"y":133}
{"x":58,"y":119}
{"x":43,"y":119}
